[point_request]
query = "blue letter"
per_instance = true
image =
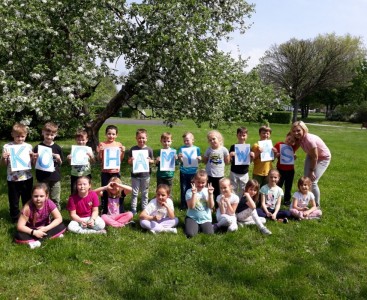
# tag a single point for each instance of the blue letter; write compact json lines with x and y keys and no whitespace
{"x":170,"y":158}
{"x":188,"y":155}
{"x":286,"y":154}
{"x":16,"y":157}
{"x":242,"y":155}
{"x":141,"y":160}
{"x":109,"y":158}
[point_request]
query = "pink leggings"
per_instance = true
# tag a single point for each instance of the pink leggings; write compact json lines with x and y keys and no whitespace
{"x":299,"y":214}
{"x":119,"y":220}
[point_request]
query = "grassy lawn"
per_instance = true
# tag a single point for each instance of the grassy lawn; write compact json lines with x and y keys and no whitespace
{"x":325,"y":259}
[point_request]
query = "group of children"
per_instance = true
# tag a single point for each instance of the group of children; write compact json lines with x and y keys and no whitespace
{"x":238,"y":201}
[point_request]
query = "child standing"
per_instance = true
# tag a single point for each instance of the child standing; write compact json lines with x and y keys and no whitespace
{"x":106,"y":174}
{"x":159,"y":215}
{"x":115,"y":191}
{"x":239,"y":173}
{"x":261,"y":168}
{"x":52,"y":179}
{"x":83,"y":209}
{"x":286,"y":171}
{"x":215,"y":158}
{"x":271,"y":198}
{"x":81,"y":138}
{"x":140,"y":181}
{"x":227,"y":205}
{"x":187,"y":173}
{"x":19,"y":182}
{"x":246,"y":210}
{"x":303,"y":205}
{"x":165,"y":177}
{"x":200,"y":201}
{"x":35,"y":223}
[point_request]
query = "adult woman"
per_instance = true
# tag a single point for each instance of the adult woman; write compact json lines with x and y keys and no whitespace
{"x":318,"y":155}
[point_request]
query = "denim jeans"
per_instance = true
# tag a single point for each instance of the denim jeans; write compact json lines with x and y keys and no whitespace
{"x":321,"y":167}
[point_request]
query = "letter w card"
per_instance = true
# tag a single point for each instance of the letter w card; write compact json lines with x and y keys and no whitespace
{"x":242,"y":154}
{"x":286,"y":155}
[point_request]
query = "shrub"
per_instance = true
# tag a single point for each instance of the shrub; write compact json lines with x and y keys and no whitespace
{"x":280,"y":117}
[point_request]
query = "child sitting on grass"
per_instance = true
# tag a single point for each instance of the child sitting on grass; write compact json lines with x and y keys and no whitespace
{"x":227,"y":204}
{"x":39,"y":219}
{"x":159,"y":215}
{"x":303,"y":205}
{"x":116,"y":192}
{"x":83,"y":209}
{"x":246,"y":210}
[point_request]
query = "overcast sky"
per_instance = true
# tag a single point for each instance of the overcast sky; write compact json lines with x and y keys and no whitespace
{"x":277,"y":21}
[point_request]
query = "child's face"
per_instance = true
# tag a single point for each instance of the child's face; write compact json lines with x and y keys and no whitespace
{"x":273,"y":178}
{"x":213,"y":141}
{"x":252,"y":191}
{"x":39,"y":197}
{"x":188,"y":140}
{"x":264,"y":135}
{"x":241,"y":137}
{"x":161,"y":196}
{"x":49,"y":136}
{"x":225,"y":188}
{"x":115,"y":189}
{"x":82,"y":186}
{"x":166,"y":142}
{"x":19,"y":137}
{"x":111,"y":135}
{"x":82,"y":140}
{"x":200,"y":182}
{"x":289,"y":140}
{"x":141,"y":139}
{"x":304,"y":188}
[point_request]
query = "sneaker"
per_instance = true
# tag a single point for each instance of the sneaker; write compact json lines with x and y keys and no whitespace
{"x":61,"y":236}
{"x":285,"y":220}
{"x":152,"y":232}
{"x":172,"y":230}
{"x":240,"y":224}
{"x":265,"y":231}
{"x":34,"y":244}
{"x":102,"y":231}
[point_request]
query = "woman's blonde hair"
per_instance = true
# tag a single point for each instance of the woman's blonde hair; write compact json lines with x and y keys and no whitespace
{"x":300,"y":124}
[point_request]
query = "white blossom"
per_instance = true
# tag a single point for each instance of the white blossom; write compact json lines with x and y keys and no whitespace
{"x":159,"y":84}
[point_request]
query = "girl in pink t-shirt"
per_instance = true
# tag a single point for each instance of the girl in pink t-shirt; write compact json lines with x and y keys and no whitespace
{"x":83,"y":209}
{"x":116,"y":191}
{"x":39,"y":219}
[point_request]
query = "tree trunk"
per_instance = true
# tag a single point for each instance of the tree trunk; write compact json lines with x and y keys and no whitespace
{"x":295,"y":110}
{"x":93,"y":127}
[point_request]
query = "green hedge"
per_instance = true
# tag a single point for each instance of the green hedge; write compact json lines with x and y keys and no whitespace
{"x":280,"y":117}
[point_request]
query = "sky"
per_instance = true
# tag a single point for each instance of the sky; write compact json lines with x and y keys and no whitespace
{"x":277,"y":21}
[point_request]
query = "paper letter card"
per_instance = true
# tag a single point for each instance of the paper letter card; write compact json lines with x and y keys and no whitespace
{"x":20,"y":159}
{"x":286,"y":155}
{"x":267,"y":153}
{"x":111,"y":158}
{"x":167,"y":161}
{"x":242,"y":156}
{"x":140,"y":161}
{"x":79,"y":156}
{"x":189,"y":157}
{"x":45,"y":160}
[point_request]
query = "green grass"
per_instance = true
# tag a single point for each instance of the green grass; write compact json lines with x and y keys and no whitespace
{"x":324,"y":259}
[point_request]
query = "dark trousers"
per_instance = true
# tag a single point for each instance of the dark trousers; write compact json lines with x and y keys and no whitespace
{"x":22,"y":237}
{"x":192,"y":228}
{"x":105,"y":179}
{"x":185,"y":184}
{"x":165,"y":180}
{"x":280,"y":215}
{"x":215,"y":183}
{"x":286,"y":178}
{"x":17,"y":190}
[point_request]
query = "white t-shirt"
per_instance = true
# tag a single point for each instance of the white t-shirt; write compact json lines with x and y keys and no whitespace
{"x":154,"y":209}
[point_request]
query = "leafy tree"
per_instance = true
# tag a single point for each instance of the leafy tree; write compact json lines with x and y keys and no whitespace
{"x":49,"y":49}
{"x":303,"y":67}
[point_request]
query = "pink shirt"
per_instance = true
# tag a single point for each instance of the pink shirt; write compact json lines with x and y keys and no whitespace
{"x":83,"y":206}
{"x":311,"y":141}
{"x":39,"y":217}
